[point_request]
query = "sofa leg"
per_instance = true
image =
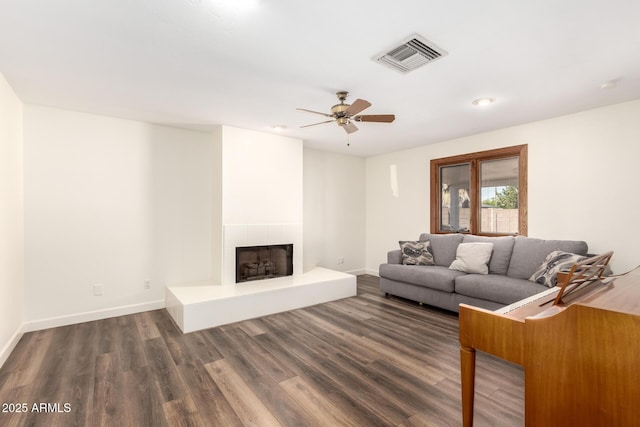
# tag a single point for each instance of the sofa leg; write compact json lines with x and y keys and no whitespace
{"x":386,"y":294}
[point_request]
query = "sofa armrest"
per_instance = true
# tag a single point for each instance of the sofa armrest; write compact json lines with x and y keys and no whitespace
{"x":394,"y":257}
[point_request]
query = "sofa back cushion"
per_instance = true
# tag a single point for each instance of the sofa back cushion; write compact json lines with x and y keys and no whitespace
{"x":443,"y":247}
{"x":501,"y":255}
{"x":528,"y":253}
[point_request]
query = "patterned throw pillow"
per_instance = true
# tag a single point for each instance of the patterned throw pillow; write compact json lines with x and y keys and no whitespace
{"x":556,"y":261}
{"x":416,"y":253}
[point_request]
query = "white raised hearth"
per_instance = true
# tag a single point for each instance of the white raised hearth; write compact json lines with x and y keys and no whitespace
{"x":203,"y":305}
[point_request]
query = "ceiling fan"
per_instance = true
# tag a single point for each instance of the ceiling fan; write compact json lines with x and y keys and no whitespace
{"x":345,"y":114}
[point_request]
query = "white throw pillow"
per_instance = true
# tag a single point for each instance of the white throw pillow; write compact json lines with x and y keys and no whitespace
{"x":473,"y":257}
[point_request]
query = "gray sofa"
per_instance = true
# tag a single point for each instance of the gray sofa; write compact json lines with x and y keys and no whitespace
{"x":513,"y":261}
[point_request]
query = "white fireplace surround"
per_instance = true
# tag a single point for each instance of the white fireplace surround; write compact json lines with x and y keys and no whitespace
{"x":235,"y":235}
{"x":256,"y":203}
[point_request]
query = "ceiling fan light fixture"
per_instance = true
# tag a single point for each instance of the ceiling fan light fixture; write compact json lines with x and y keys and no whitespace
{"x":609,"y":84}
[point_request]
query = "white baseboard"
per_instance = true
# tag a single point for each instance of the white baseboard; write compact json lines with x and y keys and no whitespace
{"x":371,"y":272}
{"x":8,"y":348}
{"x":357,"y":272}
{"x":89,"y":316}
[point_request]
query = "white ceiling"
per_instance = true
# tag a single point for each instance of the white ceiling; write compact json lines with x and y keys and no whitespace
{"x":250,"y":63}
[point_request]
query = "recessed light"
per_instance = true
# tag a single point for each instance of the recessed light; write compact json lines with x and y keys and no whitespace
{"x":609,"y":85}
{"x":279,"y":128}
{"x":482,"y":102}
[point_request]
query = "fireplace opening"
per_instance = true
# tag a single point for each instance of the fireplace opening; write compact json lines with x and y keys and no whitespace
{"x":263,"y":262}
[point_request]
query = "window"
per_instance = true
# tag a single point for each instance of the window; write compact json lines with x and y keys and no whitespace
{"x":480,"y":193}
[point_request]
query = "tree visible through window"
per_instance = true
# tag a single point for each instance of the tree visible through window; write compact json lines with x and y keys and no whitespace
{"x":504,"y":198}
{"x":480,"y":193}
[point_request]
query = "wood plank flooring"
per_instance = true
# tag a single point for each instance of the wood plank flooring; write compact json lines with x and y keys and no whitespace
{"x":361,"y":361}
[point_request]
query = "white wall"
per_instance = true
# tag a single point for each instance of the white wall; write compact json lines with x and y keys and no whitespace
{"x":262,"y":177}
{"x":112,"y":202}
{"x":11,"y":220}
{"x":583,"y":183}
{"x":334,"y":211}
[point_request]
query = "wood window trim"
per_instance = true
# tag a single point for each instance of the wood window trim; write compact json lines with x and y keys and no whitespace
{"x":474,"y":159}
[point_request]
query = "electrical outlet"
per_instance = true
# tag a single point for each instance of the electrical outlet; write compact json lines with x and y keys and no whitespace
{"x":98,"y":290}
{"x":147,"y":284}
{"x":340,"y":260}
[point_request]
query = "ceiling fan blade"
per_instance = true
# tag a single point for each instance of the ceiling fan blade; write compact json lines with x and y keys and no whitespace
{"x":349,"y":127}
{"x":357,"y":106}
{"x":306,"y":126}
{"x":314,"y":112}
{"x":382,"y":118}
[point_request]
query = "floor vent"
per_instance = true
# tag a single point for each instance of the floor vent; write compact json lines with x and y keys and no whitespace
{"x":412,"y":53}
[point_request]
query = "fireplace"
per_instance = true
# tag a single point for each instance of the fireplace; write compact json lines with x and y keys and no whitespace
{"x":263,"y":262}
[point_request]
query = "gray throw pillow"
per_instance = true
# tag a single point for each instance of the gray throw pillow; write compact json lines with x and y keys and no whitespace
{"x":416,"y":253}
{"x":556,"y":261}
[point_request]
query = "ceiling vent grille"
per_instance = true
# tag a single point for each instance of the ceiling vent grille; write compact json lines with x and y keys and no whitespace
{"x":412,"y":53}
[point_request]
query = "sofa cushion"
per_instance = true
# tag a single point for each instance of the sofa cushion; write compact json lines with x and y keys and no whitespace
{"x":556,"y":261}
{"x":473,"y":257}
{"x":495,"y":287}
{"x":501,"y":255}
{"x":528,"y":253}
{"x":416,"y":253}
{"x":434,"y":277}
{"x":443,"y":247}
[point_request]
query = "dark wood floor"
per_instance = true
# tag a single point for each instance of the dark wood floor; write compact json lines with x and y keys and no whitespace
{"x":361,"y":361}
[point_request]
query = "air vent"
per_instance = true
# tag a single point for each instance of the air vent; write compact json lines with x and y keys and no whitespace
{"x":412,"y":53}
